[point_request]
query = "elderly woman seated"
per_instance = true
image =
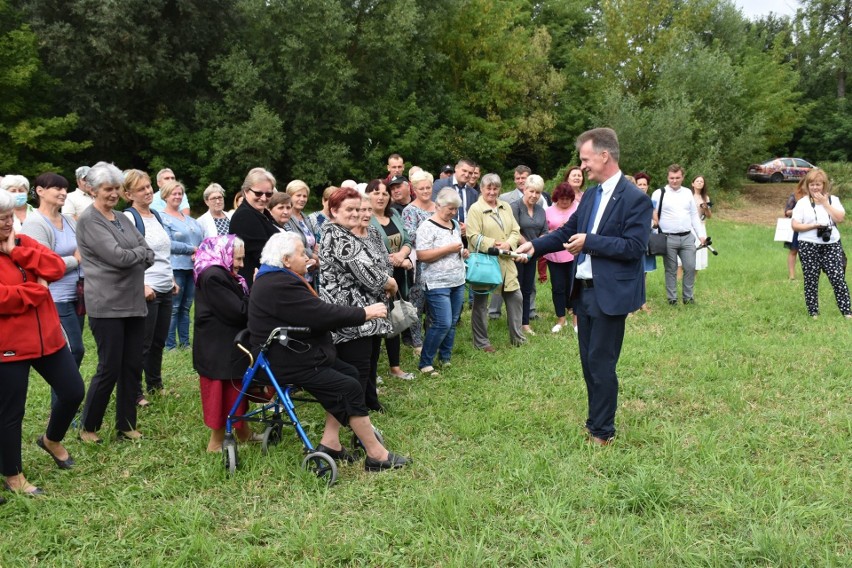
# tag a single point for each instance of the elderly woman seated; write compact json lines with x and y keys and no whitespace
{"x":282,"y":297}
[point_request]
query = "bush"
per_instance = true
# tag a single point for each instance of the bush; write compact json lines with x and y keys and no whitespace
{"x":840,"y":174}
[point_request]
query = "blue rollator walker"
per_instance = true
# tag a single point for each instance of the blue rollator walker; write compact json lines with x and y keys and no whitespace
{"x":259,"y":374}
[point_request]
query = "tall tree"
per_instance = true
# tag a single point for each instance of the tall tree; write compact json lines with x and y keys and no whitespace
{"x":31,"y":139}
{"x":124,"y":65}
{"x":824,"y":41}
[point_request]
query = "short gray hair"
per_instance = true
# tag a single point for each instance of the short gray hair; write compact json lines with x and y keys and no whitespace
{"x":211,"y":189}
{"x":490,"y":179}
{"x":13,"y":180}
{"x":603,"y":139}
{"x":448,"y":197}
{"x":277,"y":247}
{"x":80,"y":173}
{"x":420,"y":175}
{"x":7,"y":201}
{"x":163,"y":172}
{"x":104,"y":173}
{"x":536,"y":182}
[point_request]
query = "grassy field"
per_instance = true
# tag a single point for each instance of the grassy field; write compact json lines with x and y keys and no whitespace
{"x":733,"y":450}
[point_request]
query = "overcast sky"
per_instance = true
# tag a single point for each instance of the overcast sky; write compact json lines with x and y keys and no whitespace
{"x":755,"y":8}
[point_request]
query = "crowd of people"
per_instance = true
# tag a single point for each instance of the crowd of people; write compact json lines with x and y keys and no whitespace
{"x":340,"y":270}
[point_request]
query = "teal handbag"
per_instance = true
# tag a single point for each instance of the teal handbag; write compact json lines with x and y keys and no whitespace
{"x":483,"y":272}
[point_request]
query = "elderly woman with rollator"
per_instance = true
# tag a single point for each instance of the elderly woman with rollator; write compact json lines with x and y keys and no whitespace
{"x":31,"y":337}
{"x":282,"y":297}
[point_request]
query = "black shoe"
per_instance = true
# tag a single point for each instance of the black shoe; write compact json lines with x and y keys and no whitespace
{"x":672,"y":302}
{"x":688,"y":301}
{"x":2,"y":501}
{"x":393,"y":462}
{"x":61,"y":464}
{"x":342,"y":455}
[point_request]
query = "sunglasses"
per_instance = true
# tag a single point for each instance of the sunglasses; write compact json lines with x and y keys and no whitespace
{"x":266,"y":194}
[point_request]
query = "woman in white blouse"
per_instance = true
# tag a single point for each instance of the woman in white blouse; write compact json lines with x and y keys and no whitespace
{"x":815,"y":218}
{"x":216,"y":221}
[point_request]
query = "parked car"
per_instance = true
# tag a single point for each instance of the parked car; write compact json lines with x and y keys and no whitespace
{"x":779,"y":169}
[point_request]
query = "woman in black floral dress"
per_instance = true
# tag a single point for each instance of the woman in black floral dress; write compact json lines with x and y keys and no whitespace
{"x":353,"y":274}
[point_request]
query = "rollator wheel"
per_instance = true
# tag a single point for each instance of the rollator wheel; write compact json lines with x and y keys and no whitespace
{"x":271,"y":437}
{"x":322,"y":465}
{"x":229,"y":457}
{"x":356,"y":443}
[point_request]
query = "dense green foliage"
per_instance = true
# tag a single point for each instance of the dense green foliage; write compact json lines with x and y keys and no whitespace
{"x":325,"y":90}
{"x":733,"y":450}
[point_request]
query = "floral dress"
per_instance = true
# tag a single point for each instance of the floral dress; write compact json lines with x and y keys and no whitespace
{"x":413,"y":216}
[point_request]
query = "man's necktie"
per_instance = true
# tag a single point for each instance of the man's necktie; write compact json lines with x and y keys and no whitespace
{"x":598,"y":193}
{"x":460,"y":189}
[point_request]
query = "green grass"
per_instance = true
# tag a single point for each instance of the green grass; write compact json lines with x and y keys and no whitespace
{"x":733,"y":450}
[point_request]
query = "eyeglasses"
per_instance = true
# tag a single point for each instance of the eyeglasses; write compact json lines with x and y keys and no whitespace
{"x":219,"y":198}
{"x":266,"y":194}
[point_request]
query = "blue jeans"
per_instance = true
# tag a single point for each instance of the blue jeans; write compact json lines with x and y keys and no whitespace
{"x":73,"y":326}
{"x":444,"y":306}
{"x":180,"y":309}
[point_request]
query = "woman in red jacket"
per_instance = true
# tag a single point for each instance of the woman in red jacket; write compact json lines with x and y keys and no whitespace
{"x":31,"y":336}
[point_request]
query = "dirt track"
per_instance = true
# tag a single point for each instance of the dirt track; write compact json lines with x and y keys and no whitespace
{"x":759,"y":203}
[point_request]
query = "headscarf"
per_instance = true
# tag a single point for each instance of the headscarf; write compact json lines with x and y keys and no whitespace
{"x":217,"y":251}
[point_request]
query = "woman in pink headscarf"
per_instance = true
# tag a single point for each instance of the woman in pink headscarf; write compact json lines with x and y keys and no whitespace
{"x":221,"y":312}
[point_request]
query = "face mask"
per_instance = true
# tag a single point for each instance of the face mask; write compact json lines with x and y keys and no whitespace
{"x":20,"y":199}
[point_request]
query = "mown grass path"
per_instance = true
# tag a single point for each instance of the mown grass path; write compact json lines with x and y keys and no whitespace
{"x":733,"y":450}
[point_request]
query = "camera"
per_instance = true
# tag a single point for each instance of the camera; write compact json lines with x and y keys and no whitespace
{"x":824,"y":232}
{"x":708,"y":244}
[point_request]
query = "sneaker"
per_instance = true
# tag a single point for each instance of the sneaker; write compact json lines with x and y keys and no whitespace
{"x":688,"y":301}
{"x":672,"y":302}
{"x":404,"y":376}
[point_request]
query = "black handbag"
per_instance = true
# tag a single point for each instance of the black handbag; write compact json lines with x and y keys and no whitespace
{"x":80,"y":308}
{"x":658,"y":242}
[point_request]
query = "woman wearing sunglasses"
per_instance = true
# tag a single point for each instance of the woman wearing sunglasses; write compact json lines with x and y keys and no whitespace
{"x":252,"y":221}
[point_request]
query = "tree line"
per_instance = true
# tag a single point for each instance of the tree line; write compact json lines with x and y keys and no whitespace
{"x":324,"y":90}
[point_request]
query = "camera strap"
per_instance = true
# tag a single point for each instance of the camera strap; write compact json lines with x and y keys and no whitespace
{"x":827,"y":214}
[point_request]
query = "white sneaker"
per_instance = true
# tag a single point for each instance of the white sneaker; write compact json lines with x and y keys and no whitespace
{"x":575,"y":329}
{"x":556,"y":328}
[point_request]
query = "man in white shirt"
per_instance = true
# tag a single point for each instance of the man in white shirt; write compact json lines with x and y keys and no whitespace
{"x":80,"y":198}
{"x":164,"y":175}
{"x":677,"y":218}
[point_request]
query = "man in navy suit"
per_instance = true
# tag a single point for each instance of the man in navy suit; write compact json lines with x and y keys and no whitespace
{"x":458,"y":181}
{"x":608,"y":235}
